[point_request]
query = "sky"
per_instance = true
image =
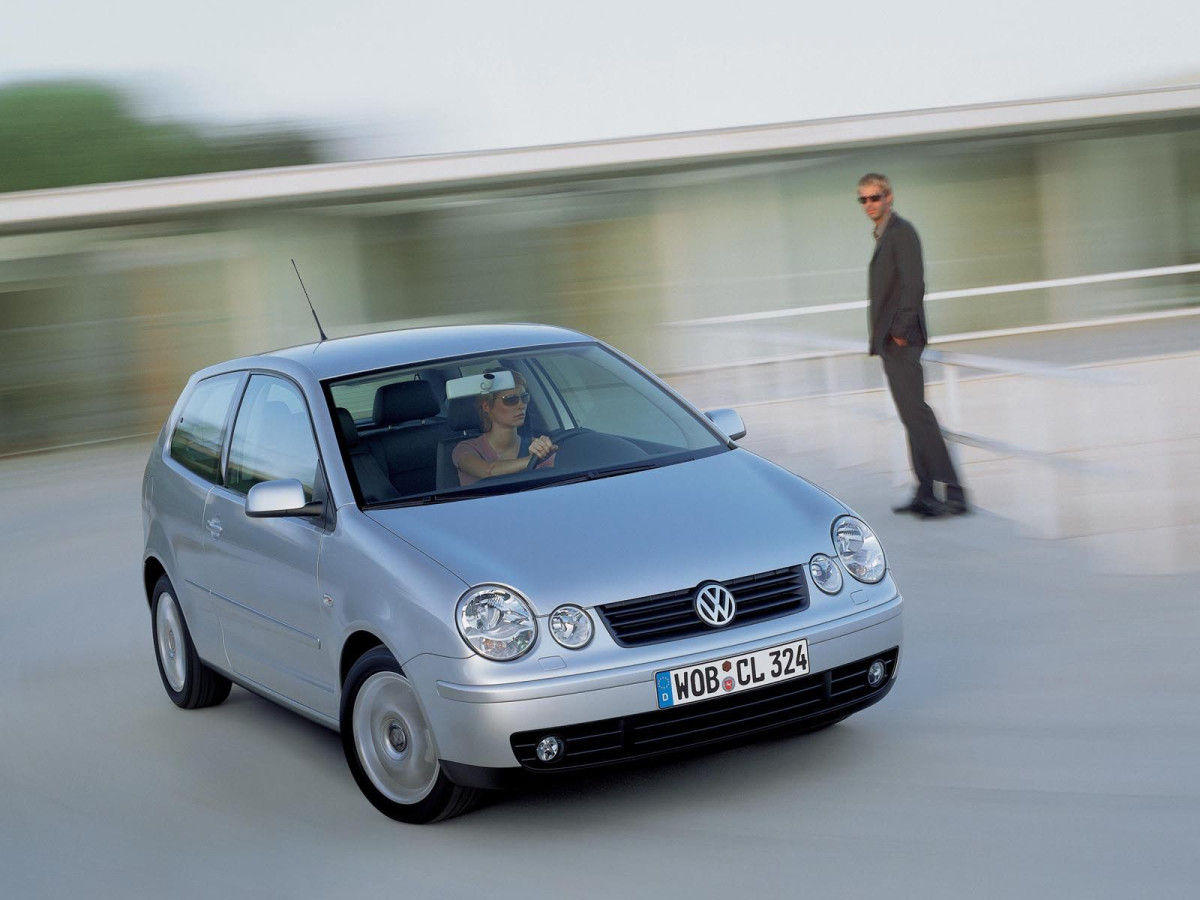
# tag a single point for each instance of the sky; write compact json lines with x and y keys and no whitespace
{"x":400,"y":77}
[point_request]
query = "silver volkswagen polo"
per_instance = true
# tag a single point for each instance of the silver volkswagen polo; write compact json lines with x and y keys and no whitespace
{"x":495,"y":553}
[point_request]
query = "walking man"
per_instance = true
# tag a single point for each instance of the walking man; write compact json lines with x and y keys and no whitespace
{"x":898,"y":335}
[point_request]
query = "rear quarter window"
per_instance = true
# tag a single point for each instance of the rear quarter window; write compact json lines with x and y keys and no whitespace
{"x":200,"y":431}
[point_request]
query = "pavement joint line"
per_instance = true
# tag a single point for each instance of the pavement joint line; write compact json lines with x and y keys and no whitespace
{"x":1132,"y":530}
{"x":1056,"y":458}
{"x":108,"y":440}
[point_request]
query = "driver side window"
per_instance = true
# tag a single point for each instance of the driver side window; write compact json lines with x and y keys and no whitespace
{"x":272,"y":437}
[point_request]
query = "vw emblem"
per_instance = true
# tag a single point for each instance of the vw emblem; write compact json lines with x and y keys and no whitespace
{"x":715,"y":605}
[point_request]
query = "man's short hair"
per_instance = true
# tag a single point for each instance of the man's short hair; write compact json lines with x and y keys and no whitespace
{"x":876,"y":178}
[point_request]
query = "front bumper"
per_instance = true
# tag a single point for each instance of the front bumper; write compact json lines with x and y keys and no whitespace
{"x":612,"y":716}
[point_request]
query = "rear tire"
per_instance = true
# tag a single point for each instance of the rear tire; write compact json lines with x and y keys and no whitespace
{"x":390,"y":747}
{"x":189,"y":682}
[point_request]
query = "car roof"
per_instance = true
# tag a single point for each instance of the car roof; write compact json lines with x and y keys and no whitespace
{"x":367,"y":352}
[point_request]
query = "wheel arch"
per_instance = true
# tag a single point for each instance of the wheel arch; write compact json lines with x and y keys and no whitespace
{"x":152,"y":570}
{"x":357,"y":644}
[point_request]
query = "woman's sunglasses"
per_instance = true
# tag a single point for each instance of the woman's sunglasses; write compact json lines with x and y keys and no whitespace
{"x":514,"y":399}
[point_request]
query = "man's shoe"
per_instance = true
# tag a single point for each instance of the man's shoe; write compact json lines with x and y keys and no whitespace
{"x":927,"y":508}
{"x":933,"y":509}
{"x":956,"y":502}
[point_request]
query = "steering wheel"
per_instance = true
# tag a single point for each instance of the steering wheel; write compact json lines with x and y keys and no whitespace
{"x":560,"y":438}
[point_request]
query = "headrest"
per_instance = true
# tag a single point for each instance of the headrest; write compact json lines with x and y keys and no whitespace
{"x":275,"y":414}
{"x":276,"y":419}
{"x":462,"y":414}
{"x":348,"y":428}
{"x":287,"y":428}
{"x":403,"y":402}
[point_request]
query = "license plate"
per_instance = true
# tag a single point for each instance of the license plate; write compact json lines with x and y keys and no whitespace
{"x":688,"y":684}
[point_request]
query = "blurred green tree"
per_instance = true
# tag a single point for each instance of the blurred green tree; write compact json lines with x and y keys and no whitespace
{"x":56,"y":134}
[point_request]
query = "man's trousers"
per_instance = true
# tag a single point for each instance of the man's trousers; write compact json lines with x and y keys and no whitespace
{"x":926,"y":447}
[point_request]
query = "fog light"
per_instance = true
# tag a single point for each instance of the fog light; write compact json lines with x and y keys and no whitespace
{"x":825,"y":573}
{"x":875,"y":676}
{"x":570,"y":626}
{"x":549,"y":749}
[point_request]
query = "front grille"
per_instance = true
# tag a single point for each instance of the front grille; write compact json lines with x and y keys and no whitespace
{"x":813,"y":698}
{"x":670,"y":616}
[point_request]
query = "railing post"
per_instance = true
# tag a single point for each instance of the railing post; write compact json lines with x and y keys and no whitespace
{"x":832,"y":403}
{"x":899,"y":441}
{"x":953,"y":410}
{"x":953,"y":420}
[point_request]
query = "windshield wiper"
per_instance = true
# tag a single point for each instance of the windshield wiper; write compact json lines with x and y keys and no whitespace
{"x":622,"y":470}
{"x":594,"y":474}
{"x":444,"y":496}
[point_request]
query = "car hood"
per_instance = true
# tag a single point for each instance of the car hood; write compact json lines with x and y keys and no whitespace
{"x":632,"y":535}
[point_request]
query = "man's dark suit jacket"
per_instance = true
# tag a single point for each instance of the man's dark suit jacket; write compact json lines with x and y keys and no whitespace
{"x":896,"y":286}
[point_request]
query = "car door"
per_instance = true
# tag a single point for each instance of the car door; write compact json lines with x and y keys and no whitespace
{"x":263,"y":572}
{"x":192,"y":461}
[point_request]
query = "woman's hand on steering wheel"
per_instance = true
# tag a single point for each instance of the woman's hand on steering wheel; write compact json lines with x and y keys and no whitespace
{"x":539,"y":449}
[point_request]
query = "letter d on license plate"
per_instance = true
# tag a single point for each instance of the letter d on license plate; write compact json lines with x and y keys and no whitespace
{"x":689,"y":684}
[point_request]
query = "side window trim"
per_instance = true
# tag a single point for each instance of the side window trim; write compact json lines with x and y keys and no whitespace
{"x":234,"y":409}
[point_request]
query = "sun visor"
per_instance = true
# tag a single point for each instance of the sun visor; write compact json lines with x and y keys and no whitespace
{"x":484,"y":383}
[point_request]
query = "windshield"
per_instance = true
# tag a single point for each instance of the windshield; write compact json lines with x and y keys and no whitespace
{"x":507,"y":422}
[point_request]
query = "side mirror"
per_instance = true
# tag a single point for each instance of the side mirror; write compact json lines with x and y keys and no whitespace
{"x":728,"y":421}
{"x":277,"y":499}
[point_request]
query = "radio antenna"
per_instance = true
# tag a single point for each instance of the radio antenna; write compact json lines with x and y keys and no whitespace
{"x":320,"y":330}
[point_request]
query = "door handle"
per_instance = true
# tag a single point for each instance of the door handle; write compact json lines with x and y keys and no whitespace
{"x":214,"y":527}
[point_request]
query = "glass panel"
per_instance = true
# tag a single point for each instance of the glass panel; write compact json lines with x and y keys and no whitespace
{"x":601,"y":396}
{"x":359,"y":396}
{"x":272,"y":437}
{"x":200,"y":432}
{"x":603,"y":415}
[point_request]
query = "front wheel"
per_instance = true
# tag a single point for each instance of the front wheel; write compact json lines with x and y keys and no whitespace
{"x":390,"y":747}
{"x":189,"y":682}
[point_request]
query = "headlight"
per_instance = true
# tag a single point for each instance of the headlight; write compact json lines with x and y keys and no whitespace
{"x":571,"y":627}
{"x":496,"y":621}
{"x":825,"y":573}
{"x":859,"y":549}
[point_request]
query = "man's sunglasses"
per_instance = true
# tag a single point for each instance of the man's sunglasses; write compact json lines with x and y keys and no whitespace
{"x":873,"y":198}
{"x":514,"y":399}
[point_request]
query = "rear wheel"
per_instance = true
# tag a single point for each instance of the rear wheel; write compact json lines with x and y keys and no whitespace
{"x":390,"y":747}
{"x":189,"y":682}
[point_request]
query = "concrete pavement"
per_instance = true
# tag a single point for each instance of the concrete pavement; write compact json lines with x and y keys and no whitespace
{"x":1041,"y":741}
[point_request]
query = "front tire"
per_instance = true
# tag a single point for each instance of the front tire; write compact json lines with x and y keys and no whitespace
{"x":189,"y":682}
{"x":390,"y":747}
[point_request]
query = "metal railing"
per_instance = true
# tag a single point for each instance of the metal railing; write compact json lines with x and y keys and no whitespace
{"x":1012,"y":288}
{"x":813,"y":346}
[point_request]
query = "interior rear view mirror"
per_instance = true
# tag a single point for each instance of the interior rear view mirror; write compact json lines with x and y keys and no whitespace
{"x":483,"y":383}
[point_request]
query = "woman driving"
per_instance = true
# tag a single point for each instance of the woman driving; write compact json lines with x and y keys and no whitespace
{"x":497,"y":450}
